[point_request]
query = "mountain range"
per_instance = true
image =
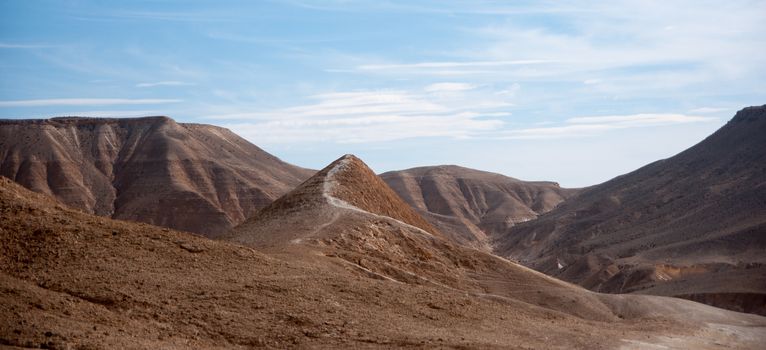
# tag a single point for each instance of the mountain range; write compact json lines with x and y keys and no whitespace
{"x":363,"y":279}
{"x":693,"y":225}
{"x":472,"y":206}
{"x":439,"y":256}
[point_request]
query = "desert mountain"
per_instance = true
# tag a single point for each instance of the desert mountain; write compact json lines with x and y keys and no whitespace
{"x":693,"y":225}
{"x":69,"y":279}
{"x":472,"y":206}
{"x":328,"y":220}
{"x":192,"y":177}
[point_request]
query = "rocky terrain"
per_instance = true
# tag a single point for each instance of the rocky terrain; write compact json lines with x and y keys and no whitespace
{"x":692,"y":226}
{"x":341,"y":261}
{"x":192,"y":177}
{"x":321,"y":223}
{"x":470,"y":206}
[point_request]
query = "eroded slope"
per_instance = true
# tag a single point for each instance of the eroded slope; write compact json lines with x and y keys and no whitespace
{"x":471,"y":207}
{"x":693,"y":225}
{"x":193,"y":177}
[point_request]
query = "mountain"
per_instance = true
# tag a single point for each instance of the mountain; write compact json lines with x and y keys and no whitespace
{"x":329,"y":220}
{"x":472,"y":206}
{"x":74,"y":280}
{"x":348,"y":213}
{"x":693,"y":225}
{"x":192,"y":177}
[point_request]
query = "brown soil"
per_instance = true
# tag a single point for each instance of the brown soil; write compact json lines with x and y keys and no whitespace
{"x":306,"y":226}
{"x":74,"y":280}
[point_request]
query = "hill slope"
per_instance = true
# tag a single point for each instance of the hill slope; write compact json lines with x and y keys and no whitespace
{"x":693,"y":225}
{"x":319,"y":222}
{"x":472,"y":206}
{"x":74,"y":280}
{"x":192,"y":177}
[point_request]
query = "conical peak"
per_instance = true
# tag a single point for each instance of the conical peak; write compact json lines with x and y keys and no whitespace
{"x":343,"y":161}
{"x":350,"y":182}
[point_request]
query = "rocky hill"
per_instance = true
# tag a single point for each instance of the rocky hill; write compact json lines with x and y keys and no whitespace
{"x":693,"y":225}
{"x":318,"y":222}
{"x":470,"y":206}
{"x":192,"y":177}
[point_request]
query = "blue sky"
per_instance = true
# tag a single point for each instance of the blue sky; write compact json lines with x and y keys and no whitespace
{"x":574,"y":92}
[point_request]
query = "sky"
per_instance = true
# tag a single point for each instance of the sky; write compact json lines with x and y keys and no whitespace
{"x":573,"y":92}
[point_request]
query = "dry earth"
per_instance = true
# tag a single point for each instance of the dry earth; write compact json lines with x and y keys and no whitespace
{"x":319,"y":222}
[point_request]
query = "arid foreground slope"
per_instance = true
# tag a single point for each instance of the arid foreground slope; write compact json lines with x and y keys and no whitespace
{"x":693,"y":225}
{"x":75,"y":280}
{"x":192,"y":177}
{"x":344,"y":217}
{"x":470,"y":206}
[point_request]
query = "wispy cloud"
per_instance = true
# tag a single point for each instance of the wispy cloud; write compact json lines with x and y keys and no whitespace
{"x":85,"y":102}
{"x":367,"y":129}
{"x":25,"y":46}
{"x":375,"y":116}
{"x":490,"y":8}
{"x":163,"y":83}
{"x":372,"y":116}
{"x":115,"y":113}
{"x":91,"y":113}
{"x":444,"y":68}
{"x":708,"y":110}
{"x":638,"y":119}
{"x":449,"y":87}
{"x":619,"y":48}
{"x":588,"y":126}
{"x":165,"y":16}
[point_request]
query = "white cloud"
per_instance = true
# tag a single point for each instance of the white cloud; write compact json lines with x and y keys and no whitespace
{"x":366,"y":129}
{"x":511,"y":91}
{"x":24,"y":46}
{"x":444,"y":68}
{"x":163,"y":83}
{"x":85,"y":102}
{"x":587,"y":126}
{"x":617,"y":48}
{"x":449,"y":87}
{"x":114,"y":114}
{"x":638,"y":119}
{"x":708,"y":110}
{"x":622,"y":39}
{"x":92,"y":113}
{"x":373,"y":116}
{"x":468,"y":64}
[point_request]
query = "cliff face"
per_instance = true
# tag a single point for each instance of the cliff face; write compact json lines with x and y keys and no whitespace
{"x":191,"y":177}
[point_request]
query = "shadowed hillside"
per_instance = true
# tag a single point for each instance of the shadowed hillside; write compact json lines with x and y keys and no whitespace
{"x":693,"y":225}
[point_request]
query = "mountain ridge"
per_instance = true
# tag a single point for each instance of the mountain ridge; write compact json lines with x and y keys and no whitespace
{"x":702,"y":210}
{"x":148,"y":169}
{"x":472,"y":206}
